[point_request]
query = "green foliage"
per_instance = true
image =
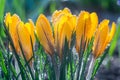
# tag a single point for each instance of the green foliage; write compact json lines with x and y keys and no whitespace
{"x":114,"y":41}
{"x":19,"y":8}
{"x":2,"y":5}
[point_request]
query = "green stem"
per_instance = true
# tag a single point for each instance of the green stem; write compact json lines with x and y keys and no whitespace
{"x":79,"y":66}
{"x":91,"y":67}
{"x":71,"y":67}
{"x":55,"y":66}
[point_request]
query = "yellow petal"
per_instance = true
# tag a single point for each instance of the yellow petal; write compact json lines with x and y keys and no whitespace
{"x":113,"y":29}
{"x":11,"y":23}
{"x":44,"y":33}
{"x":24,"y":38}
{"x":30,"y":27}
{"x":100,"y":38}
{"x":105,"y":22}
{"x":69,"y":26}
{"x":59,"y":33}
{"x":91,"y":26}
{"x":80,"y":28}
{"x":56,"y":15}
{"x":7,"y":19}
{"x":108,"y":38}
{"x":66,"y":10}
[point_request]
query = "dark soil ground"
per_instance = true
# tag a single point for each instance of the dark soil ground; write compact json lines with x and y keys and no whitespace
{"x":111,"y":72}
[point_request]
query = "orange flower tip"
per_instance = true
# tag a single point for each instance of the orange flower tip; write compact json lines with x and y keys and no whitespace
{"x":41,"y":16}
{"x":8,"y":18}
{"x":67,"y":10}
{"x":113,"y":29}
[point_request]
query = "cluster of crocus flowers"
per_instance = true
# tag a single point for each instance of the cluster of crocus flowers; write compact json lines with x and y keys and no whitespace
{"x":64,"y":24}
{"x":87,"y":27}
{"x":21,"y":33}
{"x":53,"y":38}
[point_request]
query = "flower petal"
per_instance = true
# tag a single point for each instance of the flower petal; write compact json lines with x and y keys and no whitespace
{"x":80,"y":28}
{"x":100,"y":38}
{"x":56,"y":15}
{"x":44,"y":33}
{"x":24,"y":38}
{"x":30,"y":27}
{"x":11,"y":23}
{"x":113,"y":29}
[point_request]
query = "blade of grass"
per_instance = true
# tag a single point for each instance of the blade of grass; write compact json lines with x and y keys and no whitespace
{"x":64,"y":61}
{"x":85,"y":59}
{"x":98,"y":62}
{"x":26,"y":59}
{"x":114,"y":42}
{"x":70,"y":56}
{"x":2,"y":65}
{"x":80,"y":59}
{"x":2,"y":6}
{"x":5,"y":58}
{"x":22,"y":69}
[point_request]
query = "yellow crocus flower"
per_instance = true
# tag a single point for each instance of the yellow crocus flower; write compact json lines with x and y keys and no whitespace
{"x":63,"y":24}
{"x":44,"y":33}
{"x":85,"y":29}
{"x":56,"y":15}
{"x":11,"y":23}
{"x":64,"y":27}
{"x":26,"y":34}
{"x":65,"y":18}
{"x":102,"y":37}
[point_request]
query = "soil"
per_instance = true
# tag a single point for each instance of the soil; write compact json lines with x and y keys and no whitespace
{"x":109,"y":71}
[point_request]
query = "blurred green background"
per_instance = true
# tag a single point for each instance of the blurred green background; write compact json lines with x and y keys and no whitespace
{"x":32,"y":8}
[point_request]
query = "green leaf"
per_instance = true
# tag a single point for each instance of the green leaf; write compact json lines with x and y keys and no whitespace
{"x":2,"y":5}
{"x":2,"y":64}
{"x":21,"y":67}
{"x":114,"y":41}
{"x":27,"y":62}
{"x":85,"y":58}
{"x":98,"y":62}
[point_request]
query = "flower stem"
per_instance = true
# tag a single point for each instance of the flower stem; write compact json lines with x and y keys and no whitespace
{"x":90,"y":68}
{"x":55,"y":66}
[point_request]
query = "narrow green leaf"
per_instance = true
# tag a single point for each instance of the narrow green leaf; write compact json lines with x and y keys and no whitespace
{"x":2,"y":6}
{"x":26,"y":61}
{"x":2,"y":64}
{"x":98,"y":62}
{"x":114,"y":41}
{"x":22,"y":69}
{"x":85,"y":59}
